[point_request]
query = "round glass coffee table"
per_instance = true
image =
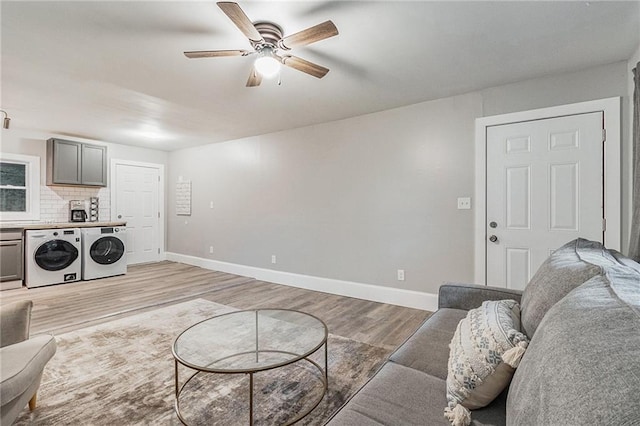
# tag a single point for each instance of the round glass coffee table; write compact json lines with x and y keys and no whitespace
{"x":248,"y":342}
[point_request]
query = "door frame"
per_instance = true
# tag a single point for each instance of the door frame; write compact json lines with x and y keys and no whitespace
{"x":162,"y":219}
{"x":612,"y":169}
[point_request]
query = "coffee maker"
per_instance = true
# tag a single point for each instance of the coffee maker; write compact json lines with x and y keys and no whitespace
{"x":77,"y":212}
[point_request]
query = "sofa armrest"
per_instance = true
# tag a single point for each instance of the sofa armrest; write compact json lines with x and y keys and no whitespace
{"x":470,"y":296}
{"x":22,"y":366}
{"x":14,"y":322}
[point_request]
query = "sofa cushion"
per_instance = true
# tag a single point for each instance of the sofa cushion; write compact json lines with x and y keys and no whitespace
{"x":564,"y":270}
{"x":427,"y":349}
{"x":22,"y":364}
{"x":399,"y":395}
{"x":582,"y":366}
{"x":485,"y":350}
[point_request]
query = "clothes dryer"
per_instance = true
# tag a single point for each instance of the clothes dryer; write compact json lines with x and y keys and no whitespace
{"x":104,"y":252}
{"x":52,"y":256}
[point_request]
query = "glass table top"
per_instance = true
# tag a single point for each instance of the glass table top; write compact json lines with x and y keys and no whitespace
{"x":250,"y":341}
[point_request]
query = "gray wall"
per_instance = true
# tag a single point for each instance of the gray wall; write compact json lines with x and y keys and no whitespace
{"x":353,"y":200}
{"x":358,"y":199}
{"x":593,"y":83}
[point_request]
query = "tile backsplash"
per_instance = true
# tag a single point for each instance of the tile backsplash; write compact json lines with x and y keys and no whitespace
{"x":54,"y":202}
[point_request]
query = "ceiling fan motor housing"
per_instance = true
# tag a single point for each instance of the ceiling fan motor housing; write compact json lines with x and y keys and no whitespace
{"x":270,"y":32}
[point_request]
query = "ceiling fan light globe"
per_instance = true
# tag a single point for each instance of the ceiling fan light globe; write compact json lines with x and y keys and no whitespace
{"x":267,"y":66}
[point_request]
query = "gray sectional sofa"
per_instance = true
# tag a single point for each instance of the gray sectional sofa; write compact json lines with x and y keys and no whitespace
{"x":581,"y":311}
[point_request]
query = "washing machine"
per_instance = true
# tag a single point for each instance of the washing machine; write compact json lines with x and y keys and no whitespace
{"x":52,"y":256}
{"x":103,"y":252}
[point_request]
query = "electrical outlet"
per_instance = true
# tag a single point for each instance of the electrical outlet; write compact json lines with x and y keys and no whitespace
{"x":273,"y":258}
{"x":400,"y":274}
{"x":210,"y":249}
{"x":464,"y":203}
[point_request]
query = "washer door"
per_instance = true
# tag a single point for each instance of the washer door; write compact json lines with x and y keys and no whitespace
{"x":55,"y":255}
{"x":107,"y":250}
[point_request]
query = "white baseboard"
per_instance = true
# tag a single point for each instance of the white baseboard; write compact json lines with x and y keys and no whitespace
{"x":375,"y":293}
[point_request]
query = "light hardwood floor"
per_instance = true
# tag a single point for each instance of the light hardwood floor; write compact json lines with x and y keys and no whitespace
{"x":65,"y":307}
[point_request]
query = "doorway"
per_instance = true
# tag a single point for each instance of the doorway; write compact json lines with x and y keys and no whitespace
{"x":137,"y":197}
{"x":543,"y":178}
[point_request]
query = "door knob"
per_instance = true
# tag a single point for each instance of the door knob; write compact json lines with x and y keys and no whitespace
{"x":493,"y":239}
{"x":119,"y":216}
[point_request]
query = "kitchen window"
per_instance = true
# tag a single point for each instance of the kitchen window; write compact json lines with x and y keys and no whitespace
{"x":19,"y":187}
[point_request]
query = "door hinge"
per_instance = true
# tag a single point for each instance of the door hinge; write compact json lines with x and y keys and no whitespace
{"x":158,"y":250}
{"x":158,"y":178}
{"x":158,"y":215}
{"x":604,"y":135}
{"x":604,"y":224}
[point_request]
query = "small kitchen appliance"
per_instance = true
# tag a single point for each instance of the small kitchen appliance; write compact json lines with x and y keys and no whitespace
{"x":77,"y":212}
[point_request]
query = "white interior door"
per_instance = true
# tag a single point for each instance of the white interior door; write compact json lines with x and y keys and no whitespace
{"x":544,"y":188}
{"x":137,"y":203}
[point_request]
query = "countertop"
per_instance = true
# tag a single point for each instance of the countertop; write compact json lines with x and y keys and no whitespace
{"x":58,"y":225}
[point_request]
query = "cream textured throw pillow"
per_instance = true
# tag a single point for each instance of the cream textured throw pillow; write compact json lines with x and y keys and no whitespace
{"x":485,"y":350}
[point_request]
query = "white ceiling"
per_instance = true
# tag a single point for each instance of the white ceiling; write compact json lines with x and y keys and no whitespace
{"x":114,"y":70}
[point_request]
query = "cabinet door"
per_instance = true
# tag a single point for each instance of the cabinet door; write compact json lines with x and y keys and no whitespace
{"x":10,"y":260}
{"x":67,"y":162}
{"x":94,"y":165}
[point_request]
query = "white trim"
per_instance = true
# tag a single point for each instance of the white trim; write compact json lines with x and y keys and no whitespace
{"x":613,"y":175}
{"x":375,"y":293}
{"x":161,"y":220}
{"x":32,"y":184}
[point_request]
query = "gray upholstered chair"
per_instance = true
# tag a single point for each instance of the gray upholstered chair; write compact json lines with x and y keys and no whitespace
{"x":22,"y":360}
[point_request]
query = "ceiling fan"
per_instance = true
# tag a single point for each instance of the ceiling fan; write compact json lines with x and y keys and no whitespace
{"x":270,"y":46}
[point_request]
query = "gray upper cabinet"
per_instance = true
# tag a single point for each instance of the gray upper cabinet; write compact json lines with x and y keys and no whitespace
{"x":76,"y":163}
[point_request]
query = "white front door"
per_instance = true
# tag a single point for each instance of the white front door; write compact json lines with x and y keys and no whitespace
{"x":137,"y":202}
{"x":544,"y":188}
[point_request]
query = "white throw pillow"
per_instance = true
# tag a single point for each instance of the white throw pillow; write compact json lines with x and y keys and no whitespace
{"x":485,"y":351}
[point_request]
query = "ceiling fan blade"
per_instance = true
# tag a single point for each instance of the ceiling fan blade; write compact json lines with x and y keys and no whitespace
{"x":215,"y":53}
{"x":305,"y":66}
{"x":244,"y":24}
{"x":254,"y":78}
{"x":310,"y":35}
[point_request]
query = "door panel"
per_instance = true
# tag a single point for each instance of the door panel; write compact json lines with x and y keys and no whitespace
{"x":518,"y":263}
{"x":518,"y":198}
{"x":563,"y":214}
{"x":544,"y":188}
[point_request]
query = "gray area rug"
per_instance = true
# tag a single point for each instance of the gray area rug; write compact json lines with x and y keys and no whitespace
{"x":122,"y":373}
